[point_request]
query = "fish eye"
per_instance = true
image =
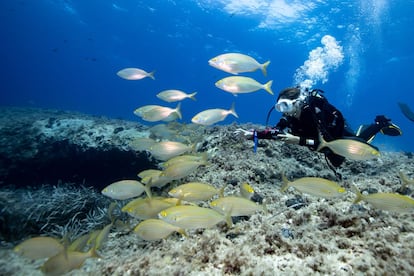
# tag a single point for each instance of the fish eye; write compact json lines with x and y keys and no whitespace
{"x":163,"y":214}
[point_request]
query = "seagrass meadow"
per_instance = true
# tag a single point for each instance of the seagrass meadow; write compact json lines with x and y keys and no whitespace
{"x":54,"y":165}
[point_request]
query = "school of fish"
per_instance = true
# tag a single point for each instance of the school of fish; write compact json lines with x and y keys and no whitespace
{"x":184,"y":209}
{"x":233,"y":63}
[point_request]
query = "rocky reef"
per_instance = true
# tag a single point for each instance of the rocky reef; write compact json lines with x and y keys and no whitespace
{"x":46,"y":146}
{"x":299,"y":233}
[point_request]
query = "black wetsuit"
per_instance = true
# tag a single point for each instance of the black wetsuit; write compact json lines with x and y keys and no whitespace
{"x":317,"y":114}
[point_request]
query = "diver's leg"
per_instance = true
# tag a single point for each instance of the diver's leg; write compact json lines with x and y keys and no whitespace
{"x":368,"y":132}
{"x":382,"y":124}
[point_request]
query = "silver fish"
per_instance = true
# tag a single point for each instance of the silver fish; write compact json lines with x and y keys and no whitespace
{"x":238,"y":85}
{"x":212,"y":116}
{"x":235,"y":63}
{"x":174,"y":95}
{"x":135,"y":74}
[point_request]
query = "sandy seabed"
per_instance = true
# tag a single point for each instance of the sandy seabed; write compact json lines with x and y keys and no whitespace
{"x":323,"y":237}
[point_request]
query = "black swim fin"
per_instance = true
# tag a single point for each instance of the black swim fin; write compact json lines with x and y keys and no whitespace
{"x":391,"y":130}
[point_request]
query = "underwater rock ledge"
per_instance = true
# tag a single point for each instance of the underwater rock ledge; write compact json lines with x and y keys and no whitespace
{"x":322,"y":237}
{"x":39,"y":146}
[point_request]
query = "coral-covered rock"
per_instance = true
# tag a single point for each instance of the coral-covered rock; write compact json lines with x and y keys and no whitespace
{"x":45,"y":146}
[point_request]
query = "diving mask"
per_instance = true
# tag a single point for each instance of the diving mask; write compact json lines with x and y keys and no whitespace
{"x":285,"y":105}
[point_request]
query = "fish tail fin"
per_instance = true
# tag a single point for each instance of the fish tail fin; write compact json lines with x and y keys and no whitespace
{"x":285,"y":183}
{"x":179,"y":201}
{"x":322,"y":142}
{"x":178,"y":111}
{"x":147,"y":188}
{"x":182,"y":232}
{"x":221,"y":192}
{"x":193,"y":149}
{"x":192,"y":96}
{"x":264,"y":67}
{"x":99,"y":241}
{"x":268,"y":87}
{"x":93,"y":254}
{"x":204,"y":157}
{"x":404,"y":179}
{"x":233,"y":110}
{"x":229,"y":220}
{"x":110,"y":211}
{"x":151,"y":75}
{"x":359,"y":196}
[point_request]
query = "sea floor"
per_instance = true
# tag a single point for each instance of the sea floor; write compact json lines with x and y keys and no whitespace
{"x":318,"y":237}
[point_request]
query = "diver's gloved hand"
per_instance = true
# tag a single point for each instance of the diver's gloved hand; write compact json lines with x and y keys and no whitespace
{"x":246,"y":133}
{"x":289,"y":138}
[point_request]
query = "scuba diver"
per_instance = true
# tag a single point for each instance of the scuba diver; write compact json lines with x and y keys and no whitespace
{"x":308,"y":114}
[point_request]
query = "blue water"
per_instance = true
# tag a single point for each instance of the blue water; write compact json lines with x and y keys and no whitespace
{"x":64,"y":54}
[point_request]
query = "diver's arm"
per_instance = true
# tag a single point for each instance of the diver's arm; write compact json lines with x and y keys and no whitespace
{"x":297,"y":140}
{"x":273,"y":132}
{"x":268,"y":133}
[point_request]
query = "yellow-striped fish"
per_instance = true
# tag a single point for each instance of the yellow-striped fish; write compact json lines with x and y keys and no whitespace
{"x":176,"y":114}
{"x":314,"y":186}
{"x":79,"y":243}
{"x":146,"y":108}
{"x":135,"y":74}
{"x":174,"y":95}
{"x":149,"y":172}
{"x":236,"y":206}
{"x":349,"y":148}
{"x":66,"y":261}
{"x":404,"y":179}
{"x":156,"y":229}
{"x":195,"y":191}
{"x":235,"y":63}
{"x":192,"y":217}
{"x":102,"y":236}
{"x":154,"y":176}
{"x":238,"y":85}
{"x":92,"y":236}
{"x":181,"y":169}
{"x":155,"y":113}
{"x":146,"y":208}
{"x":386,"y":201}
{"x":246,"y":190}
{"x":163,"y":131}
{"x":165,"y":150}
{"x":212,"y":116}
{"x":157,"y":181}
{"x":142,"y":143}
{"x":202,"y":157}
{"x":125,"y":189}
{"x":39,"y":248}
